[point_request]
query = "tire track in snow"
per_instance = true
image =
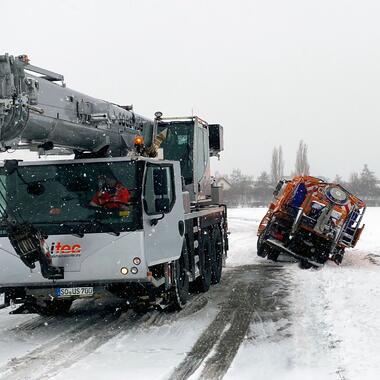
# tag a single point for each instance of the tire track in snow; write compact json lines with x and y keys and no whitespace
{"x":217,"y":365}
{"x":32,"y":324}
{"x":65,"y":349}
{"x":222,"y":338}
{"x":261,"y":302}
{"x":209,"y":338}
{"x":84,"y":338}
{"x":373,"y":258}
{"x":87,"y":308}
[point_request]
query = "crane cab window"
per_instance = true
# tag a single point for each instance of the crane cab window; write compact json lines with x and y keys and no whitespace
{"x":178,"y":146}
{"x":202,"y":152}
{"x":159,"y":195}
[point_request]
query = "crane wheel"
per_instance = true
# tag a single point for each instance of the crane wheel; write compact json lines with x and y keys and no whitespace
{"x":216,"y":255}
{"x":203,"y":282}
{"x":179,"y":294}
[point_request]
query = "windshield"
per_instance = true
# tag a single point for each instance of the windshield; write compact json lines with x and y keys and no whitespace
{"x":75,"y":197}
{"x":178,"y":146}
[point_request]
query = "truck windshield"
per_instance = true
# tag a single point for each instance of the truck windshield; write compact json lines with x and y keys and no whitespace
{"x":74,"y":198}
{"x":178,"y":146}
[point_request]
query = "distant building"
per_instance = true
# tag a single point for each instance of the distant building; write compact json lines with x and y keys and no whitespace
{"x":223,"y":183}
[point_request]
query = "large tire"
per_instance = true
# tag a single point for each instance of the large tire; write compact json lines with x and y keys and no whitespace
{"x":273,"y":255}
{"x":322,"y":258}
{"x":203,"y":282}
{"x":216,"y":255}
{"x":337,"y":257}
{"x":180,"y":291}
{"x":263,"y":248}
{"x":304,"y":264}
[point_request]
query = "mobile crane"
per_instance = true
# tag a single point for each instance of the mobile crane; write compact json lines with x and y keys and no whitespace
{"x":134,"y":213}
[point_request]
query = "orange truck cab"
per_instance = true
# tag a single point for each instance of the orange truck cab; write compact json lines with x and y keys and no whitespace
{"x":311,"y":220}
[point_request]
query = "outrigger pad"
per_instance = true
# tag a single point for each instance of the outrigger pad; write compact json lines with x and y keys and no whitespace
{"x":30,"y":246}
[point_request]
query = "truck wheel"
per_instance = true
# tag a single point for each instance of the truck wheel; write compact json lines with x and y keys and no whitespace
{"x":304,"y":264}
{"x":262,"y":249}
{"x":273,"y":255}
{"x":216,"y":255}
{"x":322,"y":258}
{"x":180,"y":290}
{"x":337,"y":257}
{"x":203,"y":282}
{"x":140,"y":307}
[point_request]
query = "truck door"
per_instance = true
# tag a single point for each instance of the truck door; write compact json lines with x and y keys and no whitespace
{"x":163,"y":213}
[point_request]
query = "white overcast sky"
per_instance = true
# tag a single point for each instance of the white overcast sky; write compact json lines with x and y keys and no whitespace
{"x":271,"y":71}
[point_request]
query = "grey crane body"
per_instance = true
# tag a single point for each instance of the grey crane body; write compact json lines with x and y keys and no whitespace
{"x":119,"y":218}
{"x":39,"y":113}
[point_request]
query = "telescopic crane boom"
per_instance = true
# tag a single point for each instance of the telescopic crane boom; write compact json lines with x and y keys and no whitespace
{"x":38,"y":112}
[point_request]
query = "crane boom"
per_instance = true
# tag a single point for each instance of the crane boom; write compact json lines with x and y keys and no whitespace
{"x":38,"y":112}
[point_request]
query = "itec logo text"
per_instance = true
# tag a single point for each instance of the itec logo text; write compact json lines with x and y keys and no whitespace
{"x":59,"y":249}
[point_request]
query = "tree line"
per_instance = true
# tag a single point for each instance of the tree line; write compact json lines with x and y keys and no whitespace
{"x":246,"y":190}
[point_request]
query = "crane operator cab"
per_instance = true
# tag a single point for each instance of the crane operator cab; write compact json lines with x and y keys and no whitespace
{"x":191,"y":141}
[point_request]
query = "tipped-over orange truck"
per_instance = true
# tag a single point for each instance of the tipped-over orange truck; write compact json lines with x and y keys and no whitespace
{"x":311,"y":220}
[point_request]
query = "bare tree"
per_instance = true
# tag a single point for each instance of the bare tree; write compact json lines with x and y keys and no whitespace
{"x":281,"y":163}
{"x":263,"y":188}
{"x":241,"y":191}
{"x":302,"y":166}
{"x":354,"y":183}
{"x":274,"y":166}
{"x":277,"y":167}
{"x":338,"y":179}
{"x":368,"y":181}
{"x":365,"y":186}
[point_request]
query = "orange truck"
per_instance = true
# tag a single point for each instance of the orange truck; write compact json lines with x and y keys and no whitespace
{"x":310,"y":220}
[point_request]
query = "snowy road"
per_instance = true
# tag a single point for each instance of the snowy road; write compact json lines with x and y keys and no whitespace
{"x":264,"y":321}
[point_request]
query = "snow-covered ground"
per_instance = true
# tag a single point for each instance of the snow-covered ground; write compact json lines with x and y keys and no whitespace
{"x":334,"y":325}
{"x":264,"y":321}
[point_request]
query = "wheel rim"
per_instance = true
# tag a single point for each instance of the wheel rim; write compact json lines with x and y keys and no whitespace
{"x":207,"y":261}
{"x":217,"y":256}
{"x":182,"y":278}
{"x":181,"y":283}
